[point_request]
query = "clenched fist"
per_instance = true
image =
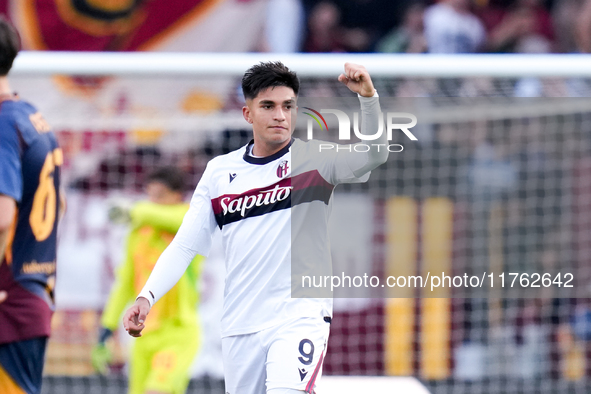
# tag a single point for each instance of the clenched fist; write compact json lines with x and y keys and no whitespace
{"x":357,"y":79}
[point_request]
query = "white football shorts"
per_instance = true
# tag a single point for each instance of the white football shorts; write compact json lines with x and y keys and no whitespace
{"x":287,"y":356}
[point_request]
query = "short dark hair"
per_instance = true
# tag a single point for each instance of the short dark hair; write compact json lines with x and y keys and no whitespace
{"x":10,"y":44}
{"x":268,"y":74}
{"x":170,"y":176}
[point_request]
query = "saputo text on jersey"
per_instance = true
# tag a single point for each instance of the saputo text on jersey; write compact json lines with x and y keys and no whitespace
{"x":266,"y":197}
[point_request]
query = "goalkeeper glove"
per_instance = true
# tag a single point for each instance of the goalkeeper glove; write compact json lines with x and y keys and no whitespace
{"x":101,"y":356}
{"x":118,"y":210}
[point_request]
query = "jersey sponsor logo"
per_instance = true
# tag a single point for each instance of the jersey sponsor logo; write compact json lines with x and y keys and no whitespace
{"x":34,"y":267}
{"x":282,"y":169}
{"x":232,"y":176}
{"x":264,"y":197}
{"x":302,"y":188}
{"x":244,"y":203}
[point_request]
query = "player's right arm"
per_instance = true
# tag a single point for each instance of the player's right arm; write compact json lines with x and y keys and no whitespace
{"x":193,"y":237}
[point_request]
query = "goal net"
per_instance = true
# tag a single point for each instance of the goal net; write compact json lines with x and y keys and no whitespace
{"x":497,"y":187}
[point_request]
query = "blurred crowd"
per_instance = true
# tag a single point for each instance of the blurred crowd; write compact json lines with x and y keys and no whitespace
{"x":423,"y":26}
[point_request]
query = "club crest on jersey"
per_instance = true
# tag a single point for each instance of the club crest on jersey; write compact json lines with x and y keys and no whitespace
{"x":282,"y":169}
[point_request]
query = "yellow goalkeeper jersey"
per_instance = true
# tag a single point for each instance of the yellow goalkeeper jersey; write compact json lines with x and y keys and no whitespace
{"x":153,"y":228}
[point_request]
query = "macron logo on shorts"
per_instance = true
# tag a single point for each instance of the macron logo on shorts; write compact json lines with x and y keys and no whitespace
{"x":303,"y":373}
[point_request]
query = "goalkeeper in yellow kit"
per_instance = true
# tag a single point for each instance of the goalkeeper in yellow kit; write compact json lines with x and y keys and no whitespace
{"x":160,"y":362}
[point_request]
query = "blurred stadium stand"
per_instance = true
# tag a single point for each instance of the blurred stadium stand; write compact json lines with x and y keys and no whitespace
{"x":507,"y":175}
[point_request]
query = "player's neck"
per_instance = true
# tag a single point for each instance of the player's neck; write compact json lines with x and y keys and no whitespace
{"x":5,"y":86}
{"x":260,"y":149}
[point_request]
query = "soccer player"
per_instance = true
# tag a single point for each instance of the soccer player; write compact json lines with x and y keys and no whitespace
{"x":258,"y":195}
{"x":30,"y":205}
{"x":160,"y":362}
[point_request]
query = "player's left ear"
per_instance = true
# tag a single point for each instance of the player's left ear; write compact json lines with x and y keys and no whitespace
{"x":246,"y":114}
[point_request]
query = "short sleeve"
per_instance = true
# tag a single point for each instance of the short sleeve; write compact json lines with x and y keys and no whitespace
{"x":11,"y":179}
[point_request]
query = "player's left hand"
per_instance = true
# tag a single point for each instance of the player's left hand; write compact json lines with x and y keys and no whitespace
{"x":3,"y":296}
{"x":357,"y":79}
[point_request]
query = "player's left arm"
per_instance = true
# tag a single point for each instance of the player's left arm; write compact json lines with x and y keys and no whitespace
{"x":357,"y":79}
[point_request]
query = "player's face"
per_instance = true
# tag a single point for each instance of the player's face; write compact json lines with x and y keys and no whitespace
{"x":159,"y":193}
{"x":270,"y":114}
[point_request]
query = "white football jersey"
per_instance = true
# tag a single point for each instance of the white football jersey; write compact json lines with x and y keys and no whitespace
{"x":253,"y":201}
{"x":273,"y":216}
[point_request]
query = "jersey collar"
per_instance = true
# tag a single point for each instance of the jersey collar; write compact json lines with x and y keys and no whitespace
{"x":264,"y":160}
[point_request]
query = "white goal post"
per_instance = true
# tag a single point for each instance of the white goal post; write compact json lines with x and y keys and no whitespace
{"x":319,"y":65}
